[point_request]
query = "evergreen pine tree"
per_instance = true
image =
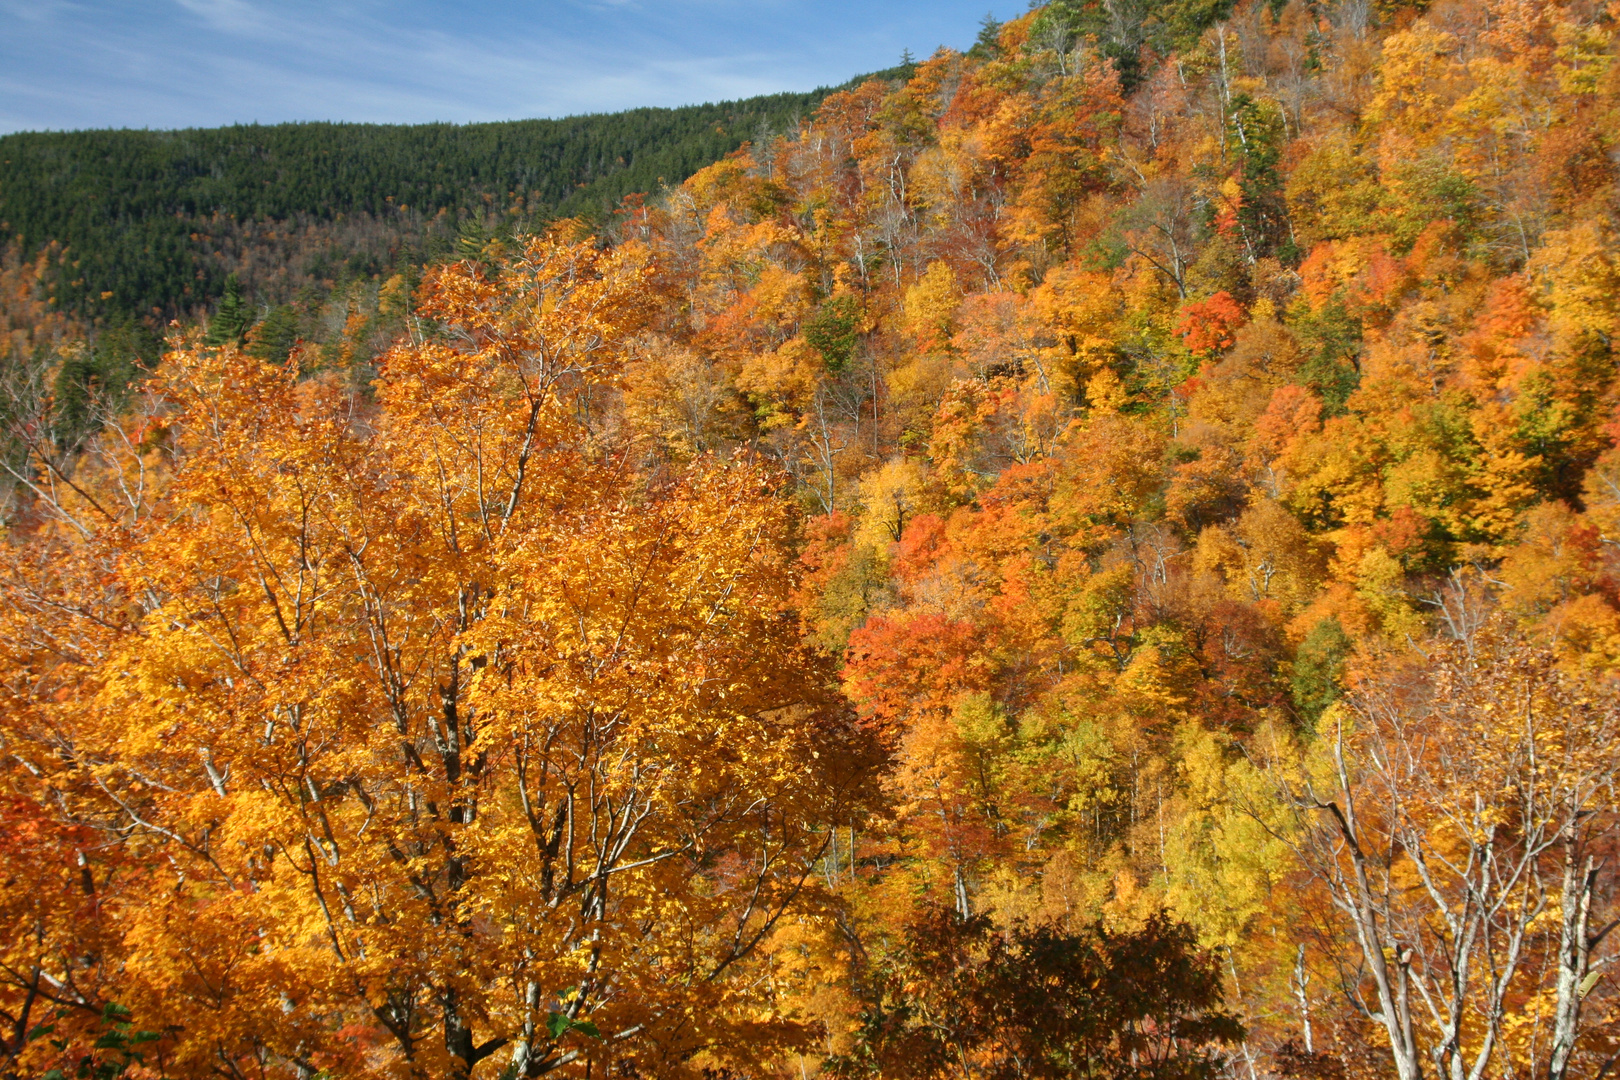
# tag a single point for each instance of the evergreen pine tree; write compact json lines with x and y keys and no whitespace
{"x":234,"y":317}
{"x":988,"y":45}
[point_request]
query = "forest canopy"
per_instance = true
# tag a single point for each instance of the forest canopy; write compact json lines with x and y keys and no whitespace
{"x":151,"y":222}
{"x":1098,"y":555}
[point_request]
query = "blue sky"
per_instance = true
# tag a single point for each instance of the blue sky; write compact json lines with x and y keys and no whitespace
{"x":193,"y":63}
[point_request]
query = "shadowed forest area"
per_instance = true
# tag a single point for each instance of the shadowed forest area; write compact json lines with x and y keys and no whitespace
{"x":1093,"y":556}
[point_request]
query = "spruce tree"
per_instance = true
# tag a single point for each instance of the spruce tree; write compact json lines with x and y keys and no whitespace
{"x":988,"y":45}
{"x":234,"y":317}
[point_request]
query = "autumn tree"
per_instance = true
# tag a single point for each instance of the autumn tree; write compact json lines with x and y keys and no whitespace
{"x":959,"y":998}
{"x":1460,"y":819}
{"x":436,"y":732}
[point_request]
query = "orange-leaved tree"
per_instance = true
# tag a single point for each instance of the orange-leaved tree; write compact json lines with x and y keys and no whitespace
{"x":443,"y":742}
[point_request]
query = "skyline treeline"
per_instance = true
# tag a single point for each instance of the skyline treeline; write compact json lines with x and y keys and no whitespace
{"x":150,"y":224}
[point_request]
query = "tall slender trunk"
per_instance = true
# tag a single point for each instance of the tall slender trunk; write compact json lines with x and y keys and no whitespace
{"x":1302,"y":978}
{"x":1574,"y":953}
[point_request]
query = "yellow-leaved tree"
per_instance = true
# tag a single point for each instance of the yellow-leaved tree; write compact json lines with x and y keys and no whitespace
{"x":422,"y":735}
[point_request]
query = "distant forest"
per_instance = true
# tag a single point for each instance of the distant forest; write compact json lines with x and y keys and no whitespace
{"x":153,"y":224}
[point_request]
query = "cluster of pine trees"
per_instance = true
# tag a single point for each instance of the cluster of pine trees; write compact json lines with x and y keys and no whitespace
{"x":1099,"y":557}
{"x":151,"y":223}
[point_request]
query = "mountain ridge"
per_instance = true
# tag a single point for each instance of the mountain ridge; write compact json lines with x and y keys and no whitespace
{"x":143,"y":222}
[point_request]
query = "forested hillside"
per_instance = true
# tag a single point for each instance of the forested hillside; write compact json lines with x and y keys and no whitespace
{"x":1100,"y":558}
{"x":151,"y":222}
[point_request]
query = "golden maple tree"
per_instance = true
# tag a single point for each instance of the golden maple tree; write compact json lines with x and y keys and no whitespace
{"x":429,"y":729}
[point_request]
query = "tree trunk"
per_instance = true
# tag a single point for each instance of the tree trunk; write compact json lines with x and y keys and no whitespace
{"x":1574,"y":954}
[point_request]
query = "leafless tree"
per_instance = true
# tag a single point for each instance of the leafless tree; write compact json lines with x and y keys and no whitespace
{"x":1460,"y":819}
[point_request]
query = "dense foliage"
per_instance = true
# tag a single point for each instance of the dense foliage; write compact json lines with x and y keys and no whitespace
{"x":141,"y":216}
{"x":1101,"y":558}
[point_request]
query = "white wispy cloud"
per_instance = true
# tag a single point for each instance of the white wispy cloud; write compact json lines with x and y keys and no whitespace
{"x":179,"y":63}
{"x":37,"y":11}
{"x":231,"y":16}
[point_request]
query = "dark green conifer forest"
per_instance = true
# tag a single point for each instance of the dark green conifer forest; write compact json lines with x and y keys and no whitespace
{"x":152,"y":223}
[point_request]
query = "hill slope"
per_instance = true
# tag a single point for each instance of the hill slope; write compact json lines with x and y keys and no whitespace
{"x":152,"y":221}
